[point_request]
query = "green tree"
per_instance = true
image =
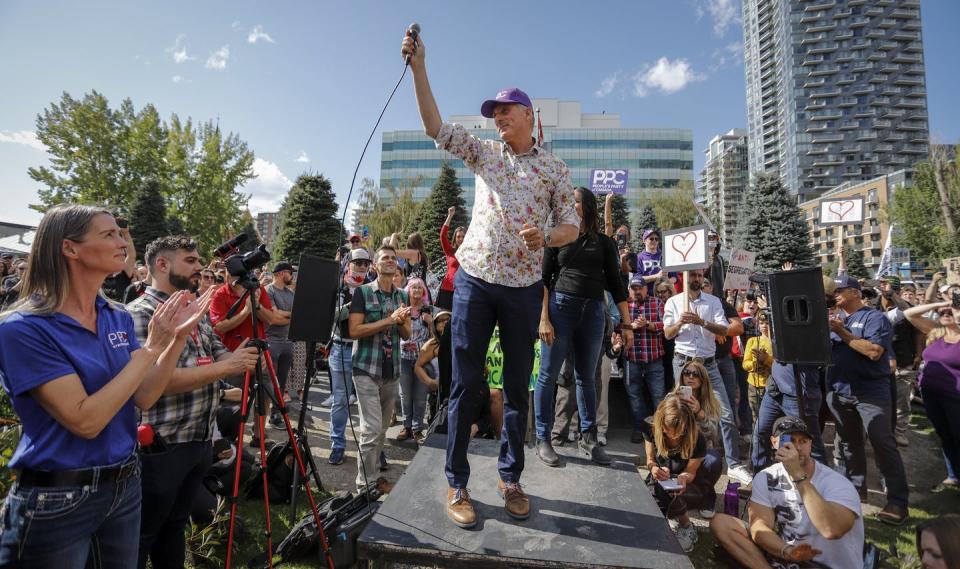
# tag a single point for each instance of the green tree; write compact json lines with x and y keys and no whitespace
{"x":148,"y":216}
{"x":99,"y":155}
{"x":385,"y":215}
{"x":919,"y":214}
{"x":773,"y":228}
{"x":853,"y":258}
{"x":308,"y":220}
{"x":249,"y":227}
{"x":645,"y":219}
{"x":446,"y":193}
{"x":674,"y":208}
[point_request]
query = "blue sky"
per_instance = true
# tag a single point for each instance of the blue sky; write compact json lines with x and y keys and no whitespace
{"x":302,"y":82}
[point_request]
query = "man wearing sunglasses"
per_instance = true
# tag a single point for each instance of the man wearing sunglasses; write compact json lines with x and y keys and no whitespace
{"x":649,"y":260}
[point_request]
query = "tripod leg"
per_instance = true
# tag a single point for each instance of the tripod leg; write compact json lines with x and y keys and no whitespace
{"x":301,"y":467}
{"x":237,"y":463}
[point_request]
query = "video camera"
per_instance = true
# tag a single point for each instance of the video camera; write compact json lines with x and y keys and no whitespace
{"x":241,"y":265}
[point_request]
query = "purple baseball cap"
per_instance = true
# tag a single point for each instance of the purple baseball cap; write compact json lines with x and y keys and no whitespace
{"x":650,"y":232}
{"x":510,"y":95}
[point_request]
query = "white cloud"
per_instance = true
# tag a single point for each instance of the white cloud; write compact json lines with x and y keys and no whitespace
{"x":257,"y":34}
{"x":176,"y":78}
{"x":219,"y":58}
{"x":268,"y":188}
{"x":607,"y":85}
{"x":24,"y":137}
{"x":235,"y":26}
{"x":666,"y":75}
{"x":724,"y":13}
{"x":179,"y":51}
{"x":731,"y":53}
{"x":303,"y":157}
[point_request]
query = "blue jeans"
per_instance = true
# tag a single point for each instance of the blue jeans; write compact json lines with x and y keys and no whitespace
{"x":772,"y":407}
{"x":477,"y":307}
{"x":94,"y":526}
{"x":728,"y":427}
{"x":855,"y":414}
{"x":744,"y":415}
{"x":578,"y":323}
{"x":413,"y":396}
{"x":645,"y":389}
{"x":728,"y":371}
{"x":341,"y":386}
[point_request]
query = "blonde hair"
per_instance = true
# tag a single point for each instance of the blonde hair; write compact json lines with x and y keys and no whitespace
{"x":47,"y":278}
{"x":936,"y":334}
{"x":673,"y":414}
{"x":704,"y":394}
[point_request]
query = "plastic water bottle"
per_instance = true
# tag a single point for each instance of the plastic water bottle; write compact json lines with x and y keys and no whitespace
{"x":731,"y":499}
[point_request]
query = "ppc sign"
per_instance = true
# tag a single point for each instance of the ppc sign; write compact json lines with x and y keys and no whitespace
{"x":685,"y":249}
{"x":608,"y":181}
{"x":843,"y":211}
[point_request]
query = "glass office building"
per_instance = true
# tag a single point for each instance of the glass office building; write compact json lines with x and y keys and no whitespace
{"x":657,"y":158}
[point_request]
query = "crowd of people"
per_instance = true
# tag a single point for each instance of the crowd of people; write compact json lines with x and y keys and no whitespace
{"x":538,"y":306}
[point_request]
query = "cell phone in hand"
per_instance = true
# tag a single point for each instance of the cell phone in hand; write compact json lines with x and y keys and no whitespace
{"x":785,"y":438}
{"x":122,"y":223}
{"x":956,"y":301}
{"x":686,"y":391}
{"x":671,"y":485}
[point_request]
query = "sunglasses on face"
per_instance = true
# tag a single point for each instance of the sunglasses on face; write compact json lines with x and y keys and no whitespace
{"x":207,"y":277}
{"x":690,"y":373}
{"x":354,"y":240}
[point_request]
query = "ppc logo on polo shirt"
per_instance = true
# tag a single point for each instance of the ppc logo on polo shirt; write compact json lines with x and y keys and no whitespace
{"x":118,"y":339}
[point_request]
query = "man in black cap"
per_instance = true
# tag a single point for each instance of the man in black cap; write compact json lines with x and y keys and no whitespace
{"x":859,"y":396}
{"x":281,"y":349}
{"x":802,"y":513}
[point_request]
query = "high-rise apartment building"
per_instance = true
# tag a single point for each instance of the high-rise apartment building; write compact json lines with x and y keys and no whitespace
{"x":835,"y":89}
{"x":267,"y":225}
{"x":724,"y":179}
{"x":657,"y":158}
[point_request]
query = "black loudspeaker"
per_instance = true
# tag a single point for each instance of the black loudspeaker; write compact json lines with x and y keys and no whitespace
{"x":314,"y":301}
{"x":801,"y":332}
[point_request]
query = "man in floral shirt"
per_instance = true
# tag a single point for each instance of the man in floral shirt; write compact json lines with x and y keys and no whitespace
{"x":520,"y":187}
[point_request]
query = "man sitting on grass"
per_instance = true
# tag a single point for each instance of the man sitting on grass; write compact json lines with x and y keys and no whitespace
{"x":802,"y":513}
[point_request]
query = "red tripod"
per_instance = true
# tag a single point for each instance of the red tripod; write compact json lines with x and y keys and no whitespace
{"x":259,"y":391}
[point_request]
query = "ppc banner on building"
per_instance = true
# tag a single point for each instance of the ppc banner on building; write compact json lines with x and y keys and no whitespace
{"x":608,"y":181}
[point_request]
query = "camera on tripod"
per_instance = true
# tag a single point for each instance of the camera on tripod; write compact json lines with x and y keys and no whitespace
{"x":241,"y":265}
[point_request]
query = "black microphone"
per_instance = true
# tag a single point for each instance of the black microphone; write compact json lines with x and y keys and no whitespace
{"x":414,"y":31}
{"x":231,"y":245}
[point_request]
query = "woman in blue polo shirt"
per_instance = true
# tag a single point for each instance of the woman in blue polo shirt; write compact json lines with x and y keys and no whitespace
{"x":71,"y":363}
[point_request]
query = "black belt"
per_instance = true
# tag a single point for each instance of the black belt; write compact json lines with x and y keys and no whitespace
{"x":686,"y":358}
{"x":343,"y":342}
{"x":80,"y":477}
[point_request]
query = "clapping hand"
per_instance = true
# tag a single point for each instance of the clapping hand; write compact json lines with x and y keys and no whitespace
{"x":175,"y":318}
{"x":400,"y":315}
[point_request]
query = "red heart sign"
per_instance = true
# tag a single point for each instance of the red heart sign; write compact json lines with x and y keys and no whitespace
{"x":683,"y":243}
{"x":841,"y":209}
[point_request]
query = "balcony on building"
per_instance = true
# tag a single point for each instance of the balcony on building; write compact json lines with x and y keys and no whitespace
{"x":913,"y":46}
{"x":849,"y":125}
{"x":857,"y":22}
{"x":826,"y":138}
{"x":851,"y":149}
{"x":904,"y":57}
{"x":887,"y":45}
{"x":830,"y":92}
{"x":912,"y":149}
{"x":879,"y":78}
{"x":874,"y":11}
{"x":866,"y":135}
{"x":821,"y":27}
{"x":882,"y":123}
{"x":880,"y":101}
{"x":869,"y":159}
{"x":828,"y":160}
{"x":824,"y":70}
{"x":827,"y":47}
{"x":810,"y":17}
{"x":912,"y":126}
{"x":905,"y":35}
{"x":876,"y":33}
{"x":910,"y":102}
{"x":813,"y":60}
{"x":841,"y":14}
{"x":904,"y":14}
{"x":883,"y":148}
{"x":813,"y":83}
{"x":887,"y":23}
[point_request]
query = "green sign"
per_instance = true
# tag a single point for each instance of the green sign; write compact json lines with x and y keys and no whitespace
{"x":495,"y":362}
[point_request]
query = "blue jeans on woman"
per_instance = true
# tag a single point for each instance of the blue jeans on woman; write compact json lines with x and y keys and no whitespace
{"x":341,"y":386}
{"x":580,"y":322}
{"x":413,"y":396}
{"x":97,"y":525}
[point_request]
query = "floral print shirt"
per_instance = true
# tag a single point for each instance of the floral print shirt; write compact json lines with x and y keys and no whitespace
{"x":511,"y":190}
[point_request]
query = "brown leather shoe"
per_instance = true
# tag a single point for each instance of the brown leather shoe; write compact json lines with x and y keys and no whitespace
{"x":514,"y":500}
{"x":460,"y":508}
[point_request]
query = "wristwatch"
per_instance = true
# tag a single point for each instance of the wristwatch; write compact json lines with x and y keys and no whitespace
{"x":547,"y":238}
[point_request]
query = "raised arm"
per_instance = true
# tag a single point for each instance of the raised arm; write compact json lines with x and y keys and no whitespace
{"x":608,"y":215}
{"x":915,"y":314}
{"x":429,"y":112}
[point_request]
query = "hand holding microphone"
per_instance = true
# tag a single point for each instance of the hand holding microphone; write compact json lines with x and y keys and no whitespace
{"x":412,"y":47}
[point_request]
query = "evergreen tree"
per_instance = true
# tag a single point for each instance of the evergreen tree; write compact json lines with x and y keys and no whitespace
{"x":773,"y":227}
{"x":148,"y":216}
{"x":175,"y":226}
{"x":249,"y":226}
{"x":645,"y":219}
{"x":446,"y":193}
{"x":308,"y":220}
{"x":619,"y":210}
{"x":854,"y":261}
